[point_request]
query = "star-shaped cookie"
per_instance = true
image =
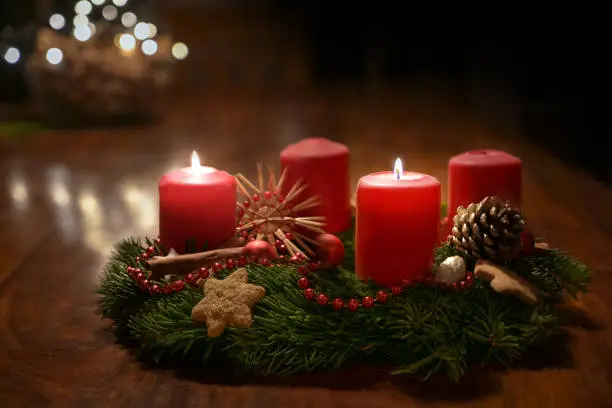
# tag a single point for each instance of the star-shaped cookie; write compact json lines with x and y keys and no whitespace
{"x":227,"y":302}
{"x":505,"y":281}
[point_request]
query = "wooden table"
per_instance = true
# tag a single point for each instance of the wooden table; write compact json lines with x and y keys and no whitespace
{"x":66,"y":197}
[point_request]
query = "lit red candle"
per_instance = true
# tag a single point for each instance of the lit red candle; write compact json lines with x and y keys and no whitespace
{"x":477,"y":174}
{"x":398,"y":215}
{"x":324,"y":166}
{"x":196,"y":204}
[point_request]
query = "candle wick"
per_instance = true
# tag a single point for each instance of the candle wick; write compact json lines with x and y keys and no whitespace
{"x":397,"y":174}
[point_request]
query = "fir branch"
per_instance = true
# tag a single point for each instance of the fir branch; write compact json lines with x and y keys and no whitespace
{"x":119,"y":296}
{"x":428,"y":330}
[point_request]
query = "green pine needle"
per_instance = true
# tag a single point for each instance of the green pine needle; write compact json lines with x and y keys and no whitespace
{"x":426,"y":331}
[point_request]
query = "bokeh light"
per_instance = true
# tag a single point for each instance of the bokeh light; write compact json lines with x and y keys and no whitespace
{"x":141,"y":31}
{"x":83,"y":7}
{"x":128,"y":19}
{"x":54,"y":56}
{"x":127,"y":42}
{"x":180,"y":51}
{"x":149,"y":47}
{"x":82,"y":33}
{"x":109,"y":12}
{"x":57,"y":21}
{"x":119,"y":3}
{"x":12,"y":55}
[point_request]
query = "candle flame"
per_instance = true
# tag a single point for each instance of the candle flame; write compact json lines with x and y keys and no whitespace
{"x":398,"y":169}
{"x":195,"y":161}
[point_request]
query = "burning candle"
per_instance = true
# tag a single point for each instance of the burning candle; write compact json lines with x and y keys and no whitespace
{"x":197,"y":204}
{"x":324,"y":167}
{"x":398,"y":214}
{"x":477,"y":174}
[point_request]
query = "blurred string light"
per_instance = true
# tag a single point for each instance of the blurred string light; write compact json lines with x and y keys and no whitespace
{"x":141,"y":31}
{"x":82,"y":33}
{"x":128,"y":19}
{"x":54,"y":56}
{"x":57,"y":21}
{"x":80,"y":20}
{"x":149,"y":47}
{"x":120,"y":3}
{"x":12,"y":55}
{"x":127,"y":42}
{"x":109,"y":12}
{"x":180,"y":51}
{"x":98,"y":2}
{"x":83,"y":7}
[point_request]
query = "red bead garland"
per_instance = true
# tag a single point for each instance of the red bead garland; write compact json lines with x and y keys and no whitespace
{"x":303,"y":268}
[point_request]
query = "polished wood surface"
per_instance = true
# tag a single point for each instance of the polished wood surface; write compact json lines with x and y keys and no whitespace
{"x":66,"y":197}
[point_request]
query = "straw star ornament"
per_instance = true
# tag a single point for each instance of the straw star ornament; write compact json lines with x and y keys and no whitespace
{"x":269,"y":214}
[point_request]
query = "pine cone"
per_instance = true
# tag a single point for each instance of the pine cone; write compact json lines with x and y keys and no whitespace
{"x":488,"y":230}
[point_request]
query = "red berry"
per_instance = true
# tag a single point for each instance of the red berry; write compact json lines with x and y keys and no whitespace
{"x":150,"y":250}
{"x":313,"y":266}
{"x":189,"y":278}
{"x":381,"y":296}
{"x":242,"y":261}
{"x":396,"y":290}
{"x":278,"y":243}
{"x":302,"y":270}
{"x":255,"y":197}
{"x":246,"y":204}
{"x":137,"y":259}
{"x":139,"y":276}
{"x":289,"y":236}
{"x":309,"y":293}
{"x":157,"y":241}
{"x":280,"y":198}
{"x":217,"y":266}
{"x":322,"y":299}
{"x":454,"y":285}
{"x":303,"y":283}
{"x":267,"y":195}
{"x":231,"y":264}
{"x":144,"y":255}
{"x":204,"y":273}
{"x":462,"y":284}
{"x":367,"y":302}
{"x":179,"y":285}
{"x":294,"y":259}
{"x":264,"y":262}
{"x":469,"y":277}
{"x":353,"y":305}
{"x":338,"y":304}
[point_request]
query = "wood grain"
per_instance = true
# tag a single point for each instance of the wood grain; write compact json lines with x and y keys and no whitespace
{"x":66,"y":197}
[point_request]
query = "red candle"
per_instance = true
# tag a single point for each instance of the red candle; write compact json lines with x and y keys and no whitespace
{"x":196,"y":204}
{"x":398,"y":215}
{"x":324,"y":166}
{"x":477,"y":174}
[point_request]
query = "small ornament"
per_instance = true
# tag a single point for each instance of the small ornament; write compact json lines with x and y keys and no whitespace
{"x":505,"y":281}
{"x":260,"y":249}
{"x":227,"y":302}
{"x":268,"y":213}
{"x":527,"y":243}
{"x":329,"y":249}
{"x":489,"y":230}
{"x":451,"y":270}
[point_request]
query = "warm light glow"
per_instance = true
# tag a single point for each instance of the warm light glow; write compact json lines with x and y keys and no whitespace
{"x":92,"y":27}
{"x":398,"y":169}
{"x":98,"y":2}
{"x":54,"y":56}
{"x":82,"y":33}
{"x":12,"y":55}
{"x":120,"y":3}
{"x":180,"y":51}
{"x":128,"y":19}
{"x":80,"y":20}
{"x":57,"y":21}
{"x":149,"y":47}
{"x":195,"y":161}
{"x":18,"y":190}
{"x":83,"y":7}
{"x":141,"y":31}
{"x":109,"y":12}
{"x":127,"y":42}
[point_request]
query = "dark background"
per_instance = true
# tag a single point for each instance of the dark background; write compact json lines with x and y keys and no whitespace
{"x":541,"y":63}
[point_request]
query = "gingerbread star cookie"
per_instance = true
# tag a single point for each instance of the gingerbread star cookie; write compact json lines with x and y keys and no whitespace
{"x":227,"y":302}
{"x":505,"y":281}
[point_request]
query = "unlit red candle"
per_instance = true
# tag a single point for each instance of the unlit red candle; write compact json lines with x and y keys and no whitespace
{"x":477,"y":174}
{"x":324,"y":167}
{"x":197,"y":204}
{"x":396,"y":232}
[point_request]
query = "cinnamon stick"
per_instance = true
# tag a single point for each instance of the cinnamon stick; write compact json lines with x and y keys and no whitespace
{"x":183,"y":264}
